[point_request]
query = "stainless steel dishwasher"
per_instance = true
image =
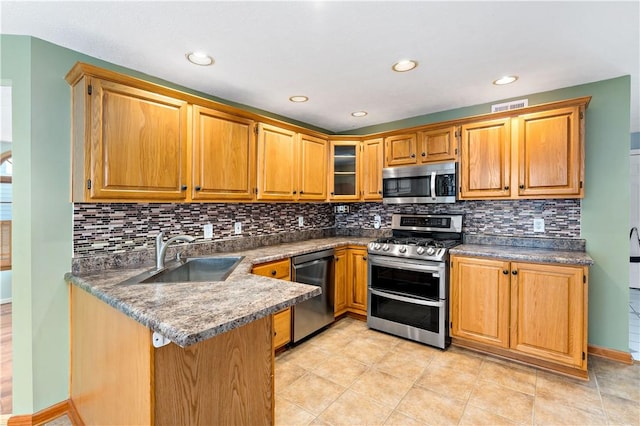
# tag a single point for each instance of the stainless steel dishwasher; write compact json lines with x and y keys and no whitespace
{"x":311,"y":315}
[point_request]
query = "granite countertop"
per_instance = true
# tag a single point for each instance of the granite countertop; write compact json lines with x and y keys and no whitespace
{"x":525,"y":254}
{"x":188,"y":313}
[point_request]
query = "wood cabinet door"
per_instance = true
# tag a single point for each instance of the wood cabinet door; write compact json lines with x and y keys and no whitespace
{"x":340,"y":297}
{"x":548,"y":312}
{"x":344,"y":171}
{"x":485,"y":159}
{"x":480,"y":300}
{"x":277,"y":165}
{"x":372,"y":164}
{"x":400,"y":150}
{"x":223,"y":156}
{"x":357,"y":295}
{"x":438,"y":145}
{"x":138,"y":144}
{"x":550,"y":154}
{"x":280,"y":269}
{"x":314,"y":153}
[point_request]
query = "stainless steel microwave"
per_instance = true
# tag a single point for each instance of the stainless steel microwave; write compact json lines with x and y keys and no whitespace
{"x":429,"y":183}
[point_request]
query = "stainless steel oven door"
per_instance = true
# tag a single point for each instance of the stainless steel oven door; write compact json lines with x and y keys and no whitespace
{"x":395,"y":310}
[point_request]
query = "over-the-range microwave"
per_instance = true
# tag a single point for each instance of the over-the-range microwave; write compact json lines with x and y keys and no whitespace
{"x":429,"y":183}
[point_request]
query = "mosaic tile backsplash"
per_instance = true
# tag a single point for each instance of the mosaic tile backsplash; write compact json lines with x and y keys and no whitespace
{"x":117,"y":228}
{"x":101,"y":229}
{"x":503,"y":218}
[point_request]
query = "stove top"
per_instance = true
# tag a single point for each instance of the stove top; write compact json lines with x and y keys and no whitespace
{"x":427,"y":237}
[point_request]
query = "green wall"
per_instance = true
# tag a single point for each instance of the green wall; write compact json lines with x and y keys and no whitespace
{"x":43,"y":214}
{"x":605,"y":208}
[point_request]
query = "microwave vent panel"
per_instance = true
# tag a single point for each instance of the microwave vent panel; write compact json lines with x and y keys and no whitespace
{"x":508,"y":106}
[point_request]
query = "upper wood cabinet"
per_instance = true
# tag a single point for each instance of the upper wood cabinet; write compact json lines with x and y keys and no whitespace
{"x":344,"y":170}
{"x":314,"y":153}
{"x":534,"y":155}
{"x":550,"y":153}
{"x":438,"y":144}
{"x":128,"y":143}
{"x":277,"y":165}
{"x":400,"y":150}
{"x":485,"y":159}
{"x":223,"y":156}
{"x":291,"y":166}
{"x":372,"y":162}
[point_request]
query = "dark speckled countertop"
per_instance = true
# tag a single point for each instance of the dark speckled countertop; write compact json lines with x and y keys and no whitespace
{"x":188,"y":313}
{"x":524,"y":254}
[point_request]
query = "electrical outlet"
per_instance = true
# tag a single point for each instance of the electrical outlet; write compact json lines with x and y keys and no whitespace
{"x":300,"y":221}
{"x":538,"y":225}
{"x":376,"y":221}
{"x":208,"y":231}
{"x":237,"y":228}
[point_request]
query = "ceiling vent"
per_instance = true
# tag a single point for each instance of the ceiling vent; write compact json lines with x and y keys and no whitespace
{"x":508,"y":106}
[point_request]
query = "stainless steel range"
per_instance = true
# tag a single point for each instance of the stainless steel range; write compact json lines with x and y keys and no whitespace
{"x":408,"y":280}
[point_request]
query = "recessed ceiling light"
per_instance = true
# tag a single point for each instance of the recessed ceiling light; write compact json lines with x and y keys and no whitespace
{"x":404,"y":65}
{"x":299,"y":98}
{"x":359,"y":113}
{"x":199,"y":58}
{"x":505,"y":80}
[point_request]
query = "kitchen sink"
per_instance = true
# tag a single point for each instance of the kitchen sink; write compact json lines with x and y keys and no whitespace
{"x":197,"y":269}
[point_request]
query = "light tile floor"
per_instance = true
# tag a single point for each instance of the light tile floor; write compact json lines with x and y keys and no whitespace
{"x":351,"y":375}
{"x":634,"y":323}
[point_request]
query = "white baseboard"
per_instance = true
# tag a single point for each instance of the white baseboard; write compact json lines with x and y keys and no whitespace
{"x":3,"y":301}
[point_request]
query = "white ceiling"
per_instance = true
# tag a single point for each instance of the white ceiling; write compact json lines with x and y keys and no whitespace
{"x":340,"y":53}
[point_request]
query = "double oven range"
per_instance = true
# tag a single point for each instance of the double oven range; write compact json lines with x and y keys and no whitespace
{"x":408,"y":278}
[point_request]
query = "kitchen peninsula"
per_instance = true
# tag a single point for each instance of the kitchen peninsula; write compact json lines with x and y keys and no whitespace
{"x":218,"y":368}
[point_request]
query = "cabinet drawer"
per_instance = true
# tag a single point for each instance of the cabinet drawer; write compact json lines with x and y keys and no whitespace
{"x":281,"y":328}
{"x":280,"y":269}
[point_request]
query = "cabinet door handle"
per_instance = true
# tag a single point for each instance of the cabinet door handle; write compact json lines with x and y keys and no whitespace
{"x":364,"y":258}
{"x":506,"y":188}
{"x":424,"y":154}
{"x":514,"y":272}
{"x":183,"y":188}
{"x":413,"y":156}
{"x":198,"y":188}
{"x":521,"y":186}
{"x":504,"y":271}
{"x":380,"y":192}
{"x":332,"y":193}
{"x":273,"y":272}
{"x":294,"y":192}
{"x":301,"y":192}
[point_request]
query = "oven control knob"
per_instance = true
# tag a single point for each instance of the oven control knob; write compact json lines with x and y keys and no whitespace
{"x":430,"y":251}
{"x":376,"y":246}
{"x":402,"y":249}
{"x":385,"y":247}
{"x":420,"y":250}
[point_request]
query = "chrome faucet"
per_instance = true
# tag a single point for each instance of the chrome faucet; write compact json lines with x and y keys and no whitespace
{"x":161,"y":247}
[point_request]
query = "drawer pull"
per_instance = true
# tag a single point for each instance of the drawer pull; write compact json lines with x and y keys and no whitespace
{"x":273,"y":272}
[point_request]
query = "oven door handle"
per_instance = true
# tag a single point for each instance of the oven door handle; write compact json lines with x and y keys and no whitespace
{"x":407,"y":299}
{"x":435,"y":268}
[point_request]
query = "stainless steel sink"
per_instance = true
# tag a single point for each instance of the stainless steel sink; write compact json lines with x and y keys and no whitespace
{"x":198,"y":269}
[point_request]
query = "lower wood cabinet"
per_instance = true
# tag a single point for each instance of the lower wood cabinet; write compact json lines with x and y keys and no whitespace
{"x":340,"y":294}
{"x":531,"y":312}
{"x":357,"y":273}
{"x":350,"y":280}
{"x":280,"y":269}
{"x":117,"y":376}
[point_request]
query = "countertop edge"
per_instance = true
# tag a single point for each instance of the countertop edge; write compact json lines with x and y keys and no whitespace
{"x":537,"y":255}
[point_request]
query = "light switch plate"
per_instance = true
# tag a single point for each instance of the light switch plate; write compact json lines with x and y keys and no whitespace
{"x":538,"y":225}
{"x":237,"y":228}
{"x":208,"y":231}
{"x":300,"y":221}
